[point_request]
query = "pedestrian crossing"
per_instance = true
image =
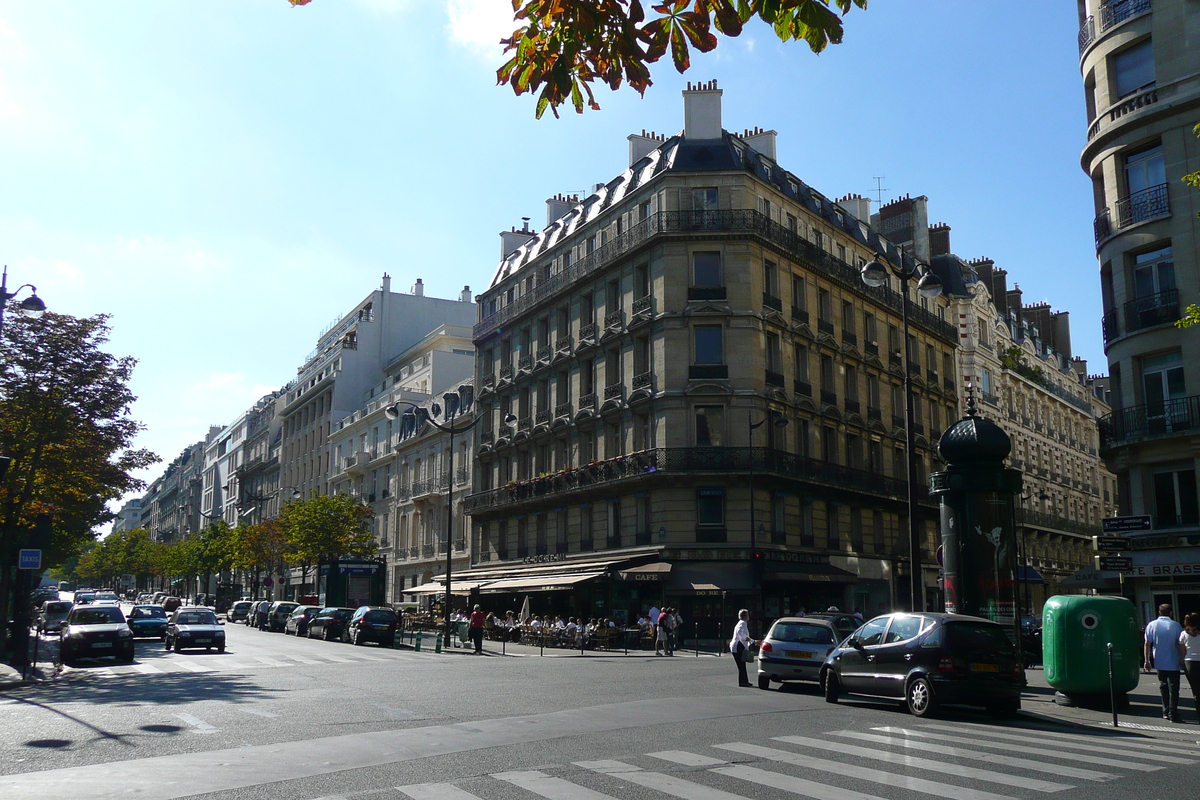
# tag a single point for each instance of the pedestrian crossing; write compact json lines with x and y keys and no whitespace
{"x":963,"y":761}
{"x":209,"y":663}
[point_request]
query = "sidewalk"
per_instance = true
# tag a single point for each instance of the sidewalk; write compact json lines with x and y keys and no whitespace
{"x":513,"y":650}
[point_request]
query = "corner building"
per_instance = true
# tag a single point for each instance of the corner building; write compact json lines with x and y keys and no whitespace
{"x":626,"y":355}
{"x":1142,"y":93}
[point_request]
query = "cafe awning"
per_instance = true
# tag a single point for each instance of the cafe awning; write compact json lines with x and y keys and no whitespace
{"x":656,"y":571}
{"x":1089,"y":578}
{"x":458,"y":587}
{"x":1027,"y":574}
{"x":543,"y":583}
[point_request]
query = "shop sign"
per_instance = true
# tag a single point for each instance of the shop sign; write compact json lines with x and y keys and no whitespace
{"x":1166,"y":570}
{"x":548,"y":558}
{"x":644,"y":577}
{"x":358,"y":569}
{"x":794,"y":558}
{"x":1125,"y":524}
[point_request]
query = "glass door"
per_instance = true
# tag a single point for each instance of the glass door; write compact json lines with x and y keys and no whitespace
{"x":1164,"y":393}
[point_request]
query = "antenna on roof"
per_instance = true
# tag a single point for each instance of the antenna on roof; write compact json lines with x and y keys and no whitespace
{"x":878,"y":188}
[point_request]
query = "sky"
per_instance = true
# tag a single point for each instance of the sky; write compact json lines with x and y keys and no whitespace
{"x":225,"y":178}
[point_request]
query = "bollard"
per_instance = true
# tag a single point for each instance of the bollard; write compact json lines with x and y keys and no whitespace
{"x":417,"y":646}
{"x":397,"y":640}
{"x":696,"y":635}
{"x":437,"y":648}
{"x":1112,"y":691}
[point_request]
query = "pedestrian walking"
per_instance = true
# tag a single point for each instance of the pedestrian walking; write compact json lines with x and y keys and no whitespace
{"x":740,"y":644}
{"x":1190,"y":639}
{"x":663,"y":639}
{"x":1164,"y":654}
{"x":475,"y":629}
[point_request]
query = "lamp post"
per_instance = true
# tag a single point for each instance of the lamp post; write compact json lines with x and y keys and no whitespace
{"x":31,"y":306}
{"x":453,"y":403}
{"x":258,"y":500}
{"x":778,"y":421}
{"x":875,"y":274}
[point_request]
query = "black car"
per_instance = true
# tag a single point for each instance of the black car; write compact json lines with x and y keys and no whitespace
{"x":297,"y":621}
{"x":927,"y":660}
{"x":329,"y":623}
{"x":148,"y":622}
{"x":1031,"y":639}
{"x":195,"y":627}
{"x":278,"y":613}
{"x":371,"y":624}
{"x":96,"y":631}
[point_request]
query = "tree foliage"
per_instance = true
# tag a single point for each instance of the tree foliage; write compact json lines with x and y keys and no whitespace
{"x":325,"y":527}
{"x":563,"y":46}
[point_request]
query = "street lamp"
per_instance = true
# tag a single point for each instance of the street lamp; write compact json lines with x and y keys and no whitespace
{"x":31,"y":306}
{"x":779,"y":421}
{"x":453,"y":403}
{"x":875,"y":274}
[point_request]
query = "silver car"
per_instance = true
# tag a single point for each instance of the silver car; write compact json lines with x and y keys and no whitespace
{"x":794,"y":650}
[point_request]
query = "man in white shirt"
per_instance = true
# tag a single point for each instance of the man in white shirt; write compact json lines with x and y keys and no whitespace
{"x":1164,"y":654}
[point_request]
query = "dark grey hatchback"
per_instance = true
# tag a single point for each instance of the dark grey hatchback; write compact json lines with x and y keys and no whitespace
{"x":927,"y":660}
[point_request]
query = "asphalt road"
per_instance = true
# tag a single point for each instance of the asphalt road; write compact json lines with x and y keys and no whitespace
{"x":280,"y":717}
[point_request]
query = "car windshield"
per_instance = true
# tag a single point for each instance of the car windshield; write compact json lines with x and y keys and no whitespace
{"x":103,"y":615}
{"x":60,"y":607}
{"x":286,"y":608}
{"x":240,"y":606}
{"x":196,"y":618}
{"x":85,"y":596}
{"x":978,"y":637}
{"x":380,"y":615}
{"x":801,"y":633}
{"x":106,"y":596}
{"x":143,"y":613}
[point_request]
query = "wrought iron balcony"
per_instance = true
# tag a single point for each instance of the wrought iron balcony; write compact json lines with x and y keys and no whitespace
{"x":1040,"y":519}
{"x":874,"y":414}
{"x":872,"y":348}
{"x":562,"y":410}
{"x":1151,"y":310}
{"x":828,"y":398}
{"x":643,"y":306}
{"x":849,"y":338}
{"x":542,"y":417}
{"x":487,"y":383}
{"x":852,"y":406}
{"x":563,"y":344}
{"x":524,"y":424}
{"x":525,"y":364}
{"x":774,"y":378}
{"x":614,"y":319}
{"x":799,"y":315}
{"x":587,"y":333}
{"x":803,"y":388}
{"x":699,"y":372}
{"x":487,"y":437}
{"x":704,"y":293}
{"x":427,"y":551}
{"x":772,"y":302}
{"x":1144,"y":205}
{"x":897,"y":420}
{"x":544,"y":354}
{"x":587,"y":401}
{"x":462,"y":475}
{"x":643,"y":380}
{"x":948,"y":384}
{"x":825,"y":326}
{"x":614,"y":392}
{"x":506,"y":373}
{"x":1181,"y":415}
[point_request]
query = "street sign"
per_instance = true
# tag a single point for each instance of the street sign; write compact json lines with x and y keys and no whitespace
{"x":1114,"y":563}
{"x":29,"y":559}
{"x":1109,"y":544}
{"x":1126,"y":524}
{"x":267,"y":582}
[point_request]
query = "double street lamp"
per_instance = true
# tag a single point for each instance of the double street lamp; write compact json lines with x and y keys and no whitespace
{"x":454,"y":404}
{"x":31,"y":306}
{"x":875,"y":274}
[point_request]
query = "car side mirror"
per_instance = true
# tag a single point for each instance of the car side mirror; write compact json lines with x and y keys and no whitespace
{"x":220,"y":622}
{"x":855,"y":643}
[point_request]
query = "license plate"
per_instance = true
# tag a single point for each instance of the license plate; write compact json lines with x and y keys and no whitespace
{"x":203,"y":641}
{"x":101,"y":644}
{"x":985,"y":668}
{"x":799,"y":654}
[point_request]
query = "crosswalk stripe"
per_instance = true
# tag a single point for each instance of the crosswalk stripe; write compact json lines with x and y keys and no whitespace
{"x":1077,"y":745}
{"x":191,"y":666}
{"x":105,"y":672}
{"x":548,"y":786}
{"x":304,"y":659}
{"x":1104,"y":761}
{"x":198,"y":725}
{"x":1179,"y":748}
{"x":436,"y":791}
{"x":687,"y":759}
{"x":667,"y":784}
{"x":978,"y":755}
{"x":146,"y":669}
{"x":863,"y":773}
{"x":364,"y":657}
{"x":903,"y":759}
{"x":774,"y":780}
{"x":272,"y":662}
{"x":337,"y":659}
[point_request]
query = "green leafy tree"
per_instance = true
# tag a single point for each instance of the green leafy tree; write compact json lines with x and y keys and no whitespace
{"x":64,"y":421}
{"x":259,"y":548}
{"x":563,"y":46}
{"x":326,"y":527}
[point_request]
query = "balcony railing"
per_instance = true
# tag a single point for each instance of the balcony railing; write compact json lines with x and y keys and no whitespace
{"x":587,"y":332}
{"x":1040,"y":519}
{"x":772,"y":302}
{"x":897,"y":420}
{"x":828,"y":398}
{"x":525,"y":364}
{"x":853,"y":406}
{"x":542,"y":417}
{"x":643,"y":305}
{"x":1144,"y":205}
{"x":1110,"y":326}
{"x":799,"y":315}
{"x":430,"y":486}
{"x":562,"y":410}
{"x":803,"y":388}
{"x":825,"y":326}
{"x":874,"y":414}
{"x":587,"y":400}
{"x":850,"y":338}
{"x":544,"y":354}
{"x":506,"y":373}
{"x":685,"y":460}
{"x":703,"y":293}
{"x":614,"y":392}
{"x":614,"y":319}
{"x":1151,"y":310}
{"x":774,"y":378}
{"x":1111,"y":14}
{"x":1179,"y":415}
{"x":643,"y":380}
{"x":700,"y":372}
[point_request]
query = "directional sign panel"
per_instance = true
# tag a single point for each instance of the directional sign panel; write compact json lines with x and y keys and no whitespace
{"x":1114,"y":563}
{"x":1109,"y":544}
{"x":30,"y":559}
{"x":1126,"y":524}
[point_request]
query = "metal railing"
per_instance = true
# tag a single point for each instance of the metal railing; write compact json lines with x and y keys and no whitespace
{"x":1151,"y":310}
{"x":1111,"y":15}
{"x":1040,"y":519}
{"x":772,"y":302}
{"x":1179,"y":415}
{"x":1109,"y":325}
{"x":1144,"y":205}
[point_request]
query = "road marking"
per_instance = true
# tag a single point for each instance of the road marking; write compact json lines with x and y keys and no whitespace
{"x":304,"y":660}
{"x":1038,"y":751}
{"x":667,"y":784}
{"x":977,"y":755}
{"x":548,"y":786}
{"x":1182,"y":748}
{"x":364,"y":657}
{"x":787,"y":783}
{"x":104,"y":672}
{"x":863,"y":773}
{"x":687,"y":759}
{"x":1077,"y":745}
{"x":256,"y":712}
{"x":198,"y":725}
{"x":338,"y":660}
{"x":272,"y":662}
{"x":436,"y":791}
{"x":191,"y":666}
{"x":147,"y":669}
{"x":905,"y":760}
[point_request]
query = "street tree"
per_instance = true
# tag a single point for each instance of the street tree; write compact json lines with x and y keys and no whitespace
{"x":562,"y":46}
{"x":323,"y":528}
{"x":64,"y":422}
{"x":259,"y":548}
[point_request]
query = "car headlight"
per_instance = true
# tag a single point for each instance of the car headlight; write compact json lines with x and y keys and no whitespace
{"x":220,"y":634}
{"x":125,"y":633}
{"x":184,"y":633}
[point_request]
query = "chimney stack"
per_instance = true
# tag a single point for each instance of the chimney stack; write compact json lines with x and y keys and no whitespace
{"x":702,"y":111}
{"x":511,"y":240}
{"x":642,"y":145}
{"x":761,"y":141}
{"x":939,"y":239}
{"x":857,"y":206}
{"x":419,"y":288}
{"x":558,"y":205}
{"x":465,"y":295}
{"x":387,"y":283}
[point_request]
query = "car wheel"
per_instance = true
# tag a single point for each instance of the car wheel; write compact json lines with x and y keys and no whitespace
{"x":329,"y":634}
{"x":221,"y":648}
{"x":357,"y":639}
{"x":832,"y":686}
{"x":919,"y":698}
{"x":764,"y":682}
{"x":178,"y":646}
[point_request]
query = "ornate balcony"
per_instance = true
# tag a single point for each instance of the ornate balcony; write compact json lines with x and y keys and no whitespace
{"x":874,"y":414}
{"x":1151,"y":310}
{"x":614,"y":319}
{"x":506,"y":374}
{"x":542,"y":417}
{"x":562,"y":410}
{"x":643,"y":380}
{"x":850,"y":338}
{"x":525,"y":364}
{"x":852,"y":406}
{"x":802,"y":388}
{"x":587,"y":334}
{"x":799,"y":315}
{"x":1166,"y":417}
{"x":544,"y":354}
{"x":587,"y":401}
{"x":772,"y":302}
{"x":825,"y":326}
{"x":828,"y":398}
{"x":699,"y":294}
{"x":774,"y":379}
{"x":614,"y":392}
{"x":643,"y":306}
{"x":702,"y":372}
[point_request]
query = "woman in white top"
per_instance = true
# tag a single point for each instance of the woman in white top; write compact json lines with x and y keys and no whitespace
{"x":740,"y":643}
{"x":1189,"y":641}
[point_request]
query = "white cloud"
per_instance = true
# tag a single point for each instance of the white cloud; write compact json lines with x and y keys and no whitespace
{"x":479,"y":25}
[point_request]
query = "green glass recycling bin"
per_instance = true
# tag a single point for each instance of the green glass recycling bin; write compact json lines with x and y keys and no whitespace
{"x":1076,"y":632}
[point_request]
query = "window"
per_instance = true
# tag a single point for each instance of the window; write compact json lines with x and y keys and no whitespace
{"x":800,"y":357}
{"x":791,"y":222}
{"x":708,"y":341}
{"x":803,"y":438}
{"x":985,"y":381}
{"x":774,"y":357}
{"x":704,"y":199}
{"x":706,"y":269}
{"x":764,"y":207}
{"x":770,"y":278}
{"x":641,"y":280}
{"x":1175,"y":501}
{"x":931,"y":361}
{"x":614,"y":524}
{"x":871,"y":331}
{"x":828,"y":384}
{"x":825,"y":307}
{"x":778,"y":526}
{"x":710,"y":423}
{"x":799,"y":297}
{"x":1133,"y":69}
{"x":829,"y":448}
{"x":854,"y":451}
{"x":1144,"y":169}
{"x":833,"y":532}
{"x":1153,"y":274}
{"x":851,"y":384}
{"x":873,"y":391}
{"x":847,"y":318}
{"x":806,"y":524}
{"x":856,"y":530}
{"x":587,"y":309}
{"x":710,"y":506}
{"x":1163,"y":390}
{"x":587,"y":377}
{"x":613,"y":297}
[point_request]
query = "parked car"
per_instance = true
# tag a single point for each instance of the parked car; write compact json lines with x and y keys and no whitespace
{"x":158,"y":598}
{"x":148,"y":621}
{"x":278,"y":614}
{"x":794,"y":650}
{"x":844,"y":624}
{"x":94,"y":631}
{"x":85,"y":598}
{"x":297,"y":621}
{"x":927,"y":660}
{"x":371,"y":624}
{"x":42,"y":594}
{"x":258,"y":615}
{"x":329,"y":623}
{"x":194,"y":627}
{"x":171,"y":604}
{"x":1031,"y":639}
{"x":239,"y":611}
{"x":52,"y":615}
{"x":107,"y":599}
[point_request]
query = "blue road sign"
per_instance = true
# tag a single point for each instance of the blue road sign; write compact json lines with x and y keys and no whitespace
{"x":29,"y":559}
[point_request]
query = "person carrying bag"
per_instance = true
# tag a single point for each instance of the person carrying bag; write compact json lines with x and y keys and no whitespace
{"x":740,"y":646}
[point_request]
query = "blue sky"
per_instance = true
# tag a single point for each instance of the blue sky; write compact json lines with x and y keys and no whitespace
{"x":226,"y":177}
